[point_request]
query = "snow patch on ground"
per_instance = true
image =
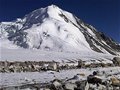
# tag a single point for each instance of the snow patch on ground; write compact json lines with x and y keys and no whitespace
{"x":16,"y":79}
{"x":42,"y":55}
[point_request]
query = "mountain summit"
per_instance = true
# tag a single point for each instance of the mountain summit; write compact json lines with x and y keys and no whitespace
{"x":52,"y":28}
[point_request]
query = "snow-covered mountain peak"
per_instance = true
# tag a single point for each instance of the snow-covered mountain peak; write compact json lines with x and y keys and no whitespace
{"x":52,"y":28}
{"x":54,"y":7}
{"x":51,"y":12}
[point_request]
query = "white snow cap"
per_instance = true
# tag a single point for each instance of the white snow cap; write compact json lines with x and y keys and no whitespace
{"x":51,"y":28}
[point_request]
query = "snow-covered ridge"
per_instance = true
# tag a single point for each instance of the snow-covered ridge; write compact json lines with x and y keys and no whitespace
{"x":52,"y":28}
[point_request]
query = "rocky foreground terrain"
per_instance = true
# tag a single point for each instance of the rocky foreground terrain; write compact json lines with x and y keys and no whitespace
{"x":53,"y":76}
{"x":97,"y":80}
{"x":38,"y":66}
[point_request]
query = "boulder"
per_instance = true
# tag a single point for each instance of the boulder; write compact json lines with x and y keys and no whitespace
{"x":69,"y":86}
{"x":95,"y":72}
{"x":94,"y":79}
{"x":116,"y":61}
{"x":80,"y":85}
{"x":56,"y":85}
{"x":81,"y":64}
{"x":115,"y":81}
{"x":52,"y":66}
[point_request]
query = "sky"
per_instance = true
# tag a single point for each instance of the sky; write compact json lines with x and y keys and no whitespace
{"x":104,"y":15}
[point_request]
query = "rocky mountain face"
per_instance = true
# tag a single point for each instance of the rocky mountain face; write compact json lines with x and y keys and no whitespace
{"x":52,"y":28}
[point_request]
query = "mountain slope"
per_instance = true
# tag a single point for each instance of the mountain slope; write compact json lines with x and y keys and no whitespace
{"x":52,"y":28}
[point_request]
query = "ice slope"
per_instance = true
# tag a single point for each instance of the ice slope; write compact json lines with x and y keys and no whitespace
{"x":61,"y":36}
{"x":54,"y":29}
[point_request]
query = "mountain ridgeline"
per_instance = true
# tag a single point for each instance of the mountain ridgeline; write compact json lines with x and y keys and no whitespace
{"x":52,"y":28}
